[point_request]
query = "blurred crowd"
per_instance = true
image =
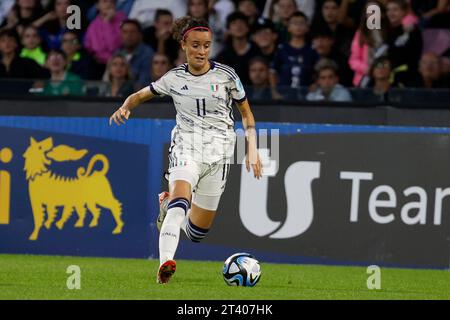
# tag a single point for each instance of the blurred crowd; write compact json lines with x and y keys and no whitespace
{"x":281,"y":49}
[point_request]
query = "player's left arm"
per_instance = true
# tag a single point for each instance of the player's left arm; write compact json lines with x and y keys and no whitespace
{"x":248,"y":121}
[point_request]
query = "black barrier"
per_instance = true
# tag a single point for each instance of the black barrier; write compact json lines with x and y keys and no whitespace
{"x":337,"y":113}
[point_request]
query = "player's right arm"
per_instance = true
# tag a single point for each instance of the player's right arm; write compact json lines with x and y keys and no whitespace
{"x":129,"y":104}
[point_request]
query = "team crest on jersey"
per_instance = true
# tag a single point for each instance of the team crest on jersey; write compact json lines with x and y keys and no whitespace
{"x":214,"y":87}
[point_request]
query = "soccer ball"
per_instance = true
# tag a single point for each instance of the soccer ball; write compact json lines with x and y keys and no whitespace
{"x":241,"y":269}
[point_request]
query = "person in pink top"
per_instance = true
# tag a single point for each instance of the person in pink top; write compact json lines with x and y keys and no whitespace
{"x":103,"y":36}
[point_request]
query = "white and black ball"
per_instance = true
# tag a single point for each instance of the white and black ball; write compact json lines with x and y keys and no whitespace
{"x":241,"y":269}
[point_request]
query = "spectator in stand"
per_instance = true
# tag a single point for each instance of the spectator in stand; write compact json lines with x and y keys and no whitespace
{"x":264,"y":35}
{"x":62,"y":82}
{"x":367,"y":45}
{"x":160,"y":66}
{"x":305,"y":6}
{"x":382,"y":77}
{"x":23,"y":14}
{"x":328,"y":18}
{"x":78,"y":61}
{"x":118,"y":77}
{"x":328,"y":87}
{"x":323,"y":42}
{"x":280,"y":13}
{"x":405,"y":43}
{"x":198,"y":9}
{"x":431,"y":74}
{"x":433,"y":13}
{"x":103,"y":36}
{"x":144,"y":10}
{"x":53,"y":24}
{"x":159,"y":36}
{"x":138,"y":54}
{"x":31,"y":42}
{"x":259,"y":73}
{"x":11,"y":64}
{"x":238,"y":50}
{"x":250,"y":10}
{"x":294,"y":61}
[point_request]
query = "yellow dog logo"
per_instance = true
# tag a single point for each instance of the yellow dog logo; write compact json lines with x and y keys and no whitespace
{"x":89,"y":189}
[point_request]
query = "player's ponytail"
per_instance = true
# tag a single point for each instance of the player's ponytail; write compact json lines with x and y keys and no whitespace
{"x":184,"y":25}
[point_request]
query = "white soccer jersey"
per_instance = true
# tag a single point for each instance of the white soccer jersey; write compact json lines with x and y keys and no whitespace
{"x":204,"y":105}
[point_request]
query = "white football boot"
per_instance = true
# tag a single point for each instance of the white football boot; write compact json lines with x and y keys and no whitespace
{"x":163,"y":203}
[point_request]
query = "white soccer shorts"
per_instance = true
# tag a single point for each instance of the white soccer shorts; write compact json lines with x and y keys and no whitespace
{"x":207,"y":181}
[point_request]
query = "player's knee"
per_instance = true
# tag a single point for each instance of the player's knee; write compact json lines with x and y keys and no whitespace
{"x":195,"y":233}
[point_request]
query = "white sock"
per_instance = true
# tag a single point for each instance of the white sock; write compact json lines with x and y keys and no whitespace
{"x":185,"y":221}
{"x":170,"y":233}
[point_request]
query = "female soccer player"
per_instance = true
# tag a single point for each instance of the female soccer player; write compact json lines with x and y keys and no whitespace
{"x":203,"y":139}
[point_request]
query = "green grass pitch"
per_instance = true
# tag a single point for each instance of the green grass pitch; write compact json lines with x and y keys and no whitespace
{"x":45,"y":277}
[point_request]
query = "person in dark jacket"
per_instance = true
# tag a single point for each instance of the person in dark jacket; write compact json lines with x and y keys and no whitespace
{"x":405,"y":43}
{"x":78,"y":60}
{"x":159,"y":36}
{"x":12,"y":66}
{"x":324,"y":44}
{"x":238,"y":50}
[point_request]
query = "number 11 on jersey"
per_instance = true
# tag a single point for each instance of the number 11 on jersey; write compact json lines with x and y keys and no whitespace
{"x":201,"y":112}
